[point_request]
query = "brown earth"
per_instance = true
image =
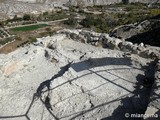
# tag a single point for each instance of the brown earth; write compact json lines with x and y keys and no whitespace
{"x":10,"y":47}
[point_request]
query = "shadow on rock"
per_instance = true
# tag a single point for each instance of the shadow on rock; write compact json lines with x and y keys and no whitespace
{"x":98,"y":62}
{"x":131,"y":107}
{"x":151,"y":37}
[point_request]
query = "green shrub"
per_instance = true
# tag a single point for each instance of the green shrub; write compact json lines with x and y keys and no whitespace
{"x":97,"y":23}
{"x":155,"y":12}
{"x":1,"y":24}
{"x":18,"y":38}
{"x":26,"y":17}
{"x":46,"y":13}
{"x":32,"y":39}
{"x":88,"y":21}
{"x":43,"y":34}
{"x":71,"y":21}
{"x":48,"y":29}
{"x":2,"y":42}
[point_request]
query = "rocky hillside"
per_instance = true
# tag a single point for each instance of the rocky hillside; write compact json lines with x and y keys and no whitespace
{"x":147,"y":32}
{"x":106,"y":2}
{"x":19,"y":7}
{"x":11,"y":7}
{"x":66,"y":77}
{"x":87,"y":2}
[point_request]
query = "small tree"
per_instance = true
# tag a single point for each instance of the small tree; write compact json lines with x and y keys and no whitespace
{"x":46,"y":13}
{"x":15,"y":17}
{"x":88,"y":21}
{"x":18,"y":38}
{"x":71,"y":21}
{"x":125,"y":1}
{"x":1,"y":24}
{"x":48,"y":29}
{"x":40,"y":17}
{"x":26,"y":17}
{"x":80,"y":4}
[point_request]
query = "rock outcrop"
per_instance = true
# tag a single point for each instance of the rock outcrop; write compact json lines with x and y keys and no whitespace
{"x":19,"y":7}
{"x":88,"y":2}
{"x":60,"y":78}
{"x":106,"y":41}
{"x":147,"y":32}
{"x":11,"y":7}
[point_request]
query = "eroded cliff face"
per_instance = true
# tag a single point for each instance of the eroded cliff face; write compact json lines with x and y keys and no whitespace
{"x":93,"y":2}
{"x":87,"y":2}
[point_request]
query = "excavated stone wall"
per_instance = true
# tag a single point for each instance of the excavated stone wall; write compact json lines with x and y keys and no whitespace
{"x":106,"y":41}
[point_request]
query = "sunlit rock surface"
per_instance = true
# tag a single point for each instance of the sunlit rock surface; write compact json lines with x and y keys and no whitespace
{"x":59,"y":78}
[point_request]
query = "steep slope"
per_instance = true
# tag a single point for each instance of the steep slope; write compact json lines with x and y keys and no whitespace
{"x":147,"y":32}
{"x":11,"y":7}
{"x":106,"y":2}
{"x":87,"y":2}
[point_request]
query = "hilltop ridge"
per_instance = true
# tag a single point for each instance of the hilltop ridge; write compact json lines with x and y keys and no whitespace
{"x":76,"y":80}
{"x":86,"y":2}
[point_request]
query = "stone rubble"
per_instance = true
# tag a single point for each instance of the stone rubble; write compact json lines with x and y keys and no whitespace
{"x":112,"y":43}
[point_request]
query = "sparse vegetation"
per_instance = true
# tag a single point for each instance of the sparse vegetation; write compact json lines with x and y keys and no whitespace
{"x":155,"y":12}
{"x":110,"y":17}
{"x":50,"y":16}
{"x":1,"y":24}
{"x":18,"y":38}
{"x":32,"y":39}
{"x":26,"y":17}
{"x":119,"y":14}
{"x":99,"y":24}
{"x":6,"y":40}
{"x":71,"y":22}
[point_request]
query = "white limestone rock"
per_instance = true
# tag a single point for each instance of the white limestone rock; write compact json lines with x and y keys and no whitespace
{"x":86,"y":82}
